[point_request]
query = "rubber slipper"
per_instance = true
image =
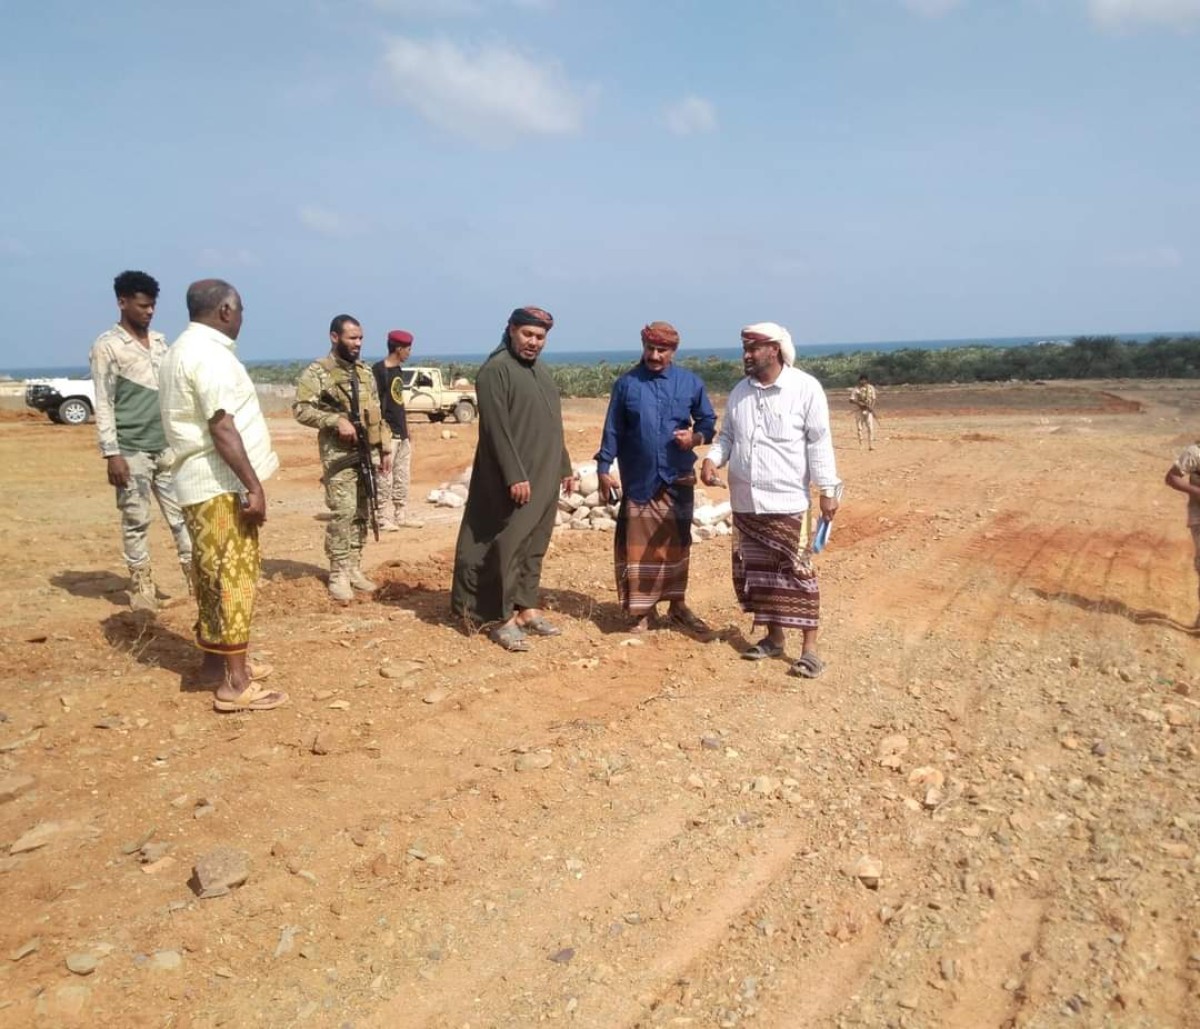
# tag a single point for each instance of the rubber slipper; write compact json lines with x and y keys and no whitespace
{"x":510,"y":637}
{"x":252,"y":698}
{"x":761,"y":650}
{"x":807,"y":666}
{"x":540,"y":626}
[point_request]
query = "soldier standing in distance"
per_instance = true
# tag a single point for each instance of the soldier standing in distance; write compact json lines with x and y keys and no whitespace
{"x":331,"y":395}
{"x":125,"y":361}
{"x":863,"y":398}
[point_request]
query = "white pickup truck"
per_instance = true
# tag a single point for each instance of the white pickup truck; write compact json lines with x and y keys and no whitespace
{"x":425,"y":392}
{"x":64,"y":400}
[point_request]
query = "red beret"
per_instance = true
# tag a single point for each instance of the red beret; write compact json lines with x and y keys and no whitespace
{"x":400,"y":338}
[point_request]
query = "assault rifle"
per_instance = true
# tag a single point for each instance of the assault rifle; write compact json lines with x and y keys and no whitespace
{"x":366,"y":472}
{"x":361,"y":459}
{"x":869,"y":408}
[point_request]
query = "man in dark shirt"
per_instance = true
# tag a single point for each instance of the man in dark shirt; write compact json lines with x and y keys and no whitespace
{"x":657,"y":415}
{"x":393,"y":489}
{"x":521,"y":463}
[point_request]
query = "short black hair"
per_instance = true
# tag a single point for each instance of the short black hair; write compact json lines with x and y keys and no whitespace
{"x":206,"y":296}
{"x":863,"y":378}
{"x":340,"y":322}
{"x":128,"y":284}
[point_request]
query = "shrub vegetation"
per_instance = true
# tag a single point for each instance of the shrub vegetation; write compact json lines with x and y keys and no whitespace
{"x":1085,"y":357}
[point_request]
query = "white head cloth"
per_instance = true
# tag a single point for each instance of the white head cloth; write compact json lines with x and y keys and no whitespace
{"x":770,"y":332}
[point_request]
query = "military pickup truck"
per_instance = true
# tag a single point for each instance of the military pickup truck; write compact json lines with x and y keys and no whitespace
{"x":425,"y":392}
{"x":64,"y":400}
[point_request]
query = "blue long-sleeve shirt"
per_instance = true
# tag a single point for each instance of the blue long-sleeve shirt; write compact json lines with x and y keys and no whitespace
{"x":644,"y":412}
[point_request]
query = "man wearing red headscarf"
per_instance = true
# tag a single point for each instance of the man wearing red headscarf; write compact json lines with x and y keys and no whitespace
{"x":521,"y":462}
{"x":657,"y":415}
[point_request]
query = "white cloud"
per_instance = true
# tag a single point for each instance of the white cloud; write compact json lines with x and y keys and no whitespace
{"x":690,"y":116}
{"x":487,"y":93}
{"x":1160,"y":258}
{"x":1118,"y":14}
{"x":323,"y":221}
{"x":931,"y":8}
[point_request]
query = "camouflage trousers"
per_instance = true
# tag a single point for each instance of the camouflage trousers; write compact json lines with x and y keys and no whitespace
{"x":864,"y":420}
{"x":1195,"y":530}
{"x":346,"y":530}
{"x":149,"y":474}
{"x":393,"y":489}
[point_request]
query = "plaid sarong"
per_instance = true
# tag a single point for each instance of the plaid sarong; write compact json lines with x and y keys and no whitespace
{"x":773,"y":575}
{"x":652,"y":548}
{"x":225,"y":565}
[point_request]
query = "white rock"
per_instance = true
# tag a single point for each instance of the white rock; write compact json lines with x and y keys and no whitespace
{"x":591,"y":498}
{"x":589,"y":483}
{"x":449,"y":499}
{"x":459,"y":489}
{"x":603,"y":524}
{"x":723,"y":529}
{"x":703,"y":532}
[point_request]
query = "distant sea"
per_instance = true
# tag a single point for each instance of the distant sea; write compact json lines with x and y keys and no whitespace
{"x":625,"y":356}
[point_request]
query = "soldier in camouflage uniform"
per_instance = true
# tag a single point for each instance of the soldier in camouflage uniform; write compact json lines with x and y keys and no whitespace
{"x":326,"y":395}
{"x":125,"y":362}
{"x":863,"y":398}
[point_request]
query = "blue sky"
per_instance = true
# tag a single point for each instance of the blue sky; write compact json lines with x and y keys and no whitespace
{"x":855,"y":169}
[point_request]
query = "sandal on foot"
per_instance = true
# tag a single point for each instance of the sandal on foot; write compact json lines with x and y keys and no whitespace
{"x":540,"y":626}
{"x":257,"y":670}
{"x":764,"y":648}
{"x":252,"y":698}
{"x":689,"y":621}
{"x":807,"y":666}
{"x":510,"y":637}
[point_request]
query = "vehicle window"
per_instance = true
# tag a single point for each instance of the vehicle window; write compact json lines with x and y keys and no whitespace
{"x":424,"y":380}
{"x":406,"y":377}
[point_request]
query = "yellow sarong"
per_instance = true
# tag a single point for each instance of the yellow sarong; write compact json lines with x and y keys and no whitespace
{"x":225,"y":564}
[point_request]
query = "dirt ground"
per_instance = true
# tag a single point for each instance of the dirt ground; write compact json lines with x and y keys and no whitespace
{"x":611,"y":831}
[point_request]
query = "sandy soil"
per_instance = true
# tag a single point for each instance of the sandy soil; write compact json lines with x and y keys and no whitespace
{"x":1007,"y":726}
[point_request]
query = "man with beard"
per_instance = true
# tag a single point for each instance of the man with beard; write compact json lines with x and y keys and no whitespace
{"x":657,"y":415}
{"x":776,"y":440}
{"x":520,"y":464}
{"x":332,"y":394}
{"x":125,"y":362}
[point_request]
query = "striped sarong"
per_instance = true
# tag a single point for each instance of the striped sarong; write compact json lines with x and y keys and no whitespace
{"x":225,"y":564}
{"x":773,"y":575}
{"x":652,"y":548}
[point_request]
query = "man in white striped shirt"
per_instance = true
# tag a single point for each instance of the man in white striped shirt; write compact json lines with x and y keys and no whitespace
{"x":776,"y":439}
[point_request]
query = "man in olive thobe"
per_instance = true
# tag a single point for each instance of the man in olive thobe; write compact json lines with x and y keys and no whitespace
{"x":521,"y":462}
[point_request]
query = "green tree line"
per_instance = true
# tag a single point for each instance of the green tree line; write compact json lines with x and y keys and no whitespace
{"x":1085,"y":357}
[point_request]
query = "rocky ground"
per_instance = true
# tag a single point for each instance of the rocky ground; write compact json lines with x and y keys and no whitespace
{"x":986,"y":813}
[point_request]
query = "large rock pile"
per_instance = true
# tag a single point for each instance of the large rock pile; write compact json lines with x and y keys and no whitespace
{"x":586,"y":509}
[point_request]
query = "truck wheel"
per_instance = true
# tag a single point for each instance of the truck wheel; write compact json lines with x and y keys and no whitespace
{"x":464,"y":412}
{"x":74,"y":411}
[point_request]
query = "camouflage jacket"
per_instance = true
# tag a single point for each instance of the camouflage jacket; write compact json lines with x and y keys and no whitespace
{"x":323,"y":396}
